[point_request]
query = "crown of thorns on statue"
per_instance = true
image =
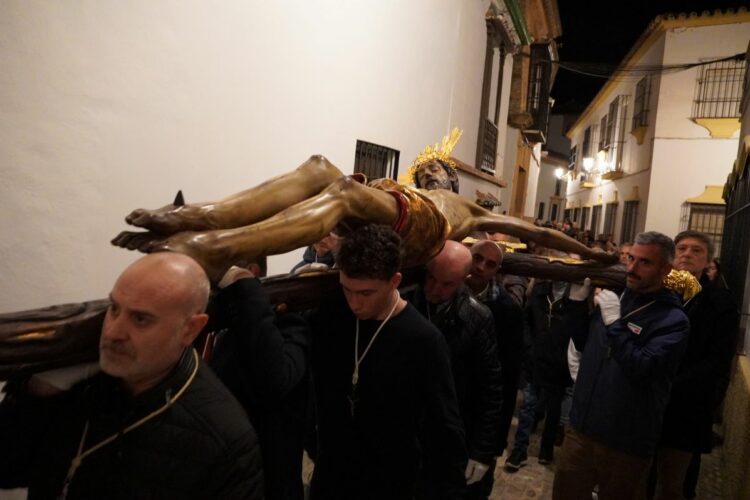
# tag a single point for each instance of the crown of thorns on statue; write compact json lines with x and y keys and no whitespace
{"x":432,"y":153}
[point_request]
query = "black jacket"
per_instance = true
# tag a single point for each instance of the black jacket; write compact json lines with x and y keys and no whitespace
{"x":202,"y":446}
{"x":703,"y":375}
{"x":549,"y":324}
{"x":626,"y":372}
{"x":262,"y":358}
{"x":469,"y":329}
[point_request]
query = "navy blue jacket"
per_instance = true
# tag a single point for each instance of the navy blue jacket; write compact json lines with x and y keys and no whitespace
{"x":627,"y":370}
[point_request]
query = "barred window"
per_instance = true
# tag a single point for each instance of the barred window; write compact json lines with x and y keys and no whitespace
{"x":586,"y":142}
{"x":576,"y":214}
{"x":706,"y":218}
{"x":640,"y":106}
{"x":629,"y":216}
{"x":718,"y":91}
{"x":573,"y":158}
{"x":596,"y":214}
{"x":609,"y":219}
{"x":585,"y":217}
{"x":375,"y":161}
{"x":614,"y":107}
{"x":603,"y":143}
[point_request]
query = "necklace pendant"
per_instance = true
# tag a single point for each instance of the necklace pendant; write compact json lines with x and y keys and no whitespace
{"x":353,"y":399}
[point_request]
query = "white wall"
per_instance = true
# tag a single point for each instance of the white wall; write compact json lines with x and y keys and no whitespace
{"x":682,"y":168}
{"x":109,"y":106}
{"x":682,"y":149}
{"x":535,"y":164}
{"x":690,"y":45}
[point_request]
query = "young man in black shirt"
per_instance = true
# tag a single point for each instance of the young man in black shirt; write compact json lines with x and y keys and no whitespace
{"x":388,"y":420}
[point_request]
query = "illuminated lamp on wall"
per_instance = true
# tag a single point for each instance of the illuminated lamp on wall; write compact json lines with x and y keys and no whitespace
{"x":588,"y":164}
{"x":559,"y":172}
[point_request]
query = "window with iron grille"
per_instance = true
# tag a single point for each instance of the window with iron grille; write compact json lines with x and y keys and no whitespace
{"x":616,"y":123}
{"x":629,"y":216}
{"x":576,"y":214}
{"x":585,"y":217}
{"x":538,"y":102}
{"x":609,"y":219}
{"x":603,"y":143}
{"x":586,"y":142}
{"x":558,"y":187}
{"x":489,"y":115}
{"x":540,"y":214}
{"x":640,"y":105}
{"x":706,"y":218}
{"x":567,"y":213}
{"x":573,"y":158}
{"x":553,"y":212}
{"x":596,"y":214}
{"x":718,"y":91}
{"x":375,"y":161}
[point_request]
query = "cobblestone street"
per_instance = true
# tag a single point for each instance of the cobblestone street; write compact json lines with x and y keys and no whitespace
{"x":535,"y":480}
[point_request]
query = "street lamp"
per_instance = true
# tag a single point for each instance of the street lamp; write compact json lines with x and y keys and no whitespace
{"x":559,"y":172}
{"x":588,"y":163}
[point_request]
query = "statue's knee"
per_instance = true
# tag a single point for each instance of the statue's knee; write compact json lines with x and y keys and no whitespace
{"x":319,"y":166}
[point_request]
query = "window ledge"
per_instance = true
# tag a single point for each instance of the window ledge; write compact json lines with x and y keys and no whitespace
{"x":475,"y":172}
{"x":719,"y":128}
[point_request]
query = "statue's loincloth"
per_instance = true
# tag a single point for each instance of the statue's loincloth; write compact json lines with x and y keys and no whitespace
{"x":422,"y":227}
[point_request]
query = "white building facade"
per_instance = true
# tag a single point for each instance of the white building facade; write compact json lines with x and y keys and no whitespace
{"x":648,"y":149}
{"x":106,"y":107}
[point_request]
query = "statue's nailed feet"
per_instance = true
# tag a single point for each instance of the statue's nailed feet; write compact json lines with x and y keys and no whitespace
{"x":201,"y":246}
{"x":170,"y":219}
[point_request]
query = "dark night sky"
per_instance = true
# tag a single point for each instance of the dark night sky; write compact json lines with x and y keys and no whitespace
{"x":603,"y":32}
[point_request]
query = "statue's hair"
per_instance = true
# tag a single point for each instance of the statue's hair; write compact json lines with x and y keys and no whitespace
{"x":661,"y":240}
{"x":702,"y":237}
{"x":372,"y":251}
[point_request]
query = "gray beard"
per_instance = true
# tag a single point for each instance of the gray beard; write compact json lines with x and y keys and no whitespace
{"x":432,"y":185}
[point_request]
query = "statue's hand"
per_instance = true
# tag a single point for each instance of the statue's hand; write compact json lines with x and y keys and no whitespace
{"x":600,"y":255}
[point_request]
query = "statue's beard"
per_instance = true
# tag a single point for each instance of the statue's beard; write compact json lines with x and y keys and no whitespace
{"x":438,"y":184}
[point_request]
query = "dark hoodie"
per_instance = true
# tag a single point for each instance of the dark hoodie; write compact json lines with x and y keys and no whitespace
{"x":627,"y":371}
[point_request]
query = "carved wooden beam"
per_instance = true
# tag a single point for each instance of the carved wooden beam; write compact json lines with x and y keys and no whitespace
{"x":62,"y":335}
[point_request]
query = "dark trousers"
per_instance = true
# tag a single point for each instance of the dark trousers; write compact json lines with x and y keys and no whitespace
{"x":668,"y":473}
{"x":547,"y":399}
{"x":584,"y":463}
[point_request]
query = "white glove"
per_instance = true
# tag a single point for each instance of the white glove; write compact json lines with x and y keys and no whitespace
{"x":475,"y":471}
{"x":609,"y":305}
{"x":63,"y":379}
{"x":580,"y":293}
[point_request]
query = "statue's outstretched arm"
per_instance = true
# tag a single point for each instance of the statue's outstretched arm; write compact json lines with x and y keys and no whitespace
{"x":466,"y":217}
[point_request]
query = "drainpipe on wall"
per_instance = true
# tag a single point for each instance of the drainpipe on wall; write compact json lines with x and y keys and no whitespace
{"x":518,"y":21}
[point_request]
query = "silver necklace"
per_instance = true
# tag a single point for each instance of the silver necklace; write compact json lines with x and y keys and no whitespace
{"x":358,"y":359}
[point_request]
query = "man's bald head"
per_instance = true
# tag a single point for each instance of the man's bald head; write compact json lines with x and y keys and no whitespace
{"x":487,"y":256}
{"x":156,"y":311}
{"x":175,"y":275}
{"x":488,"y":246}
{"x":446,"y":272}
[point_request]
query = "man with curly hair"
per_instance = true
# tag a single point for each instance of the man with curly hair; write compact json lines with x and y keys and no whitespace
{"x":388,"y":419}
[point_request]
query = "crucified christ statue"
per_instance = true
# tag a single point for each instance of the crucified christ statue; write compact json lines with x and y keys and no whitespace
{"x":300,"y":207}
